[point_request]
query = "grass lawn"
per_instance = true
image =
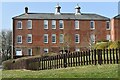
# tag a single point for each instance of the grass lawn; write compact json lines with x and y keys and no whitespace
{"x":90,"y":71}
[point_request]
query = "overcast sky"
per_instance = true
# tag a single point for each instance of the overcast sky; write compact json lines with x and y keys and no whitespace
{"x":11,"y":9}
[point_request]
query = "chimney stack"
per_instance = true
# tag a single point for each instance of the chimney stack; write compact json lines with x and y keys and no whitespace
{"x":26,"y":10}
{"x":77,"y":10}
{"x":57,"y":9}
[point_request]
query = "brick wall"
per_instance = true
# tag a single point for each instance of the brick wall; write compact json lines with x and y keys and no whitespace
{"x":69,"y":31}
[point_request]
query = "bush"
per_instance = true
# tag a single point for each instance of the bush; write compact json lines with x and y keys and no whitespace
{"x":20,"y":63}
{"x":114,"y":45}
{"x":102,"y":45}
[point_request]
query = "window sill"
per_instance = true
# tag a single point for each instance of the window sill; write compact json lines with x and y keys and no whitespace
{"x":108,"y":29}
{"x":19,"y":28}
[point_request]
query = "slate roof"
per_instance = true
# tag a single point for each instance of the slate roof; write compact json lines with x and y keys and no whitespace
{"x":83,"y":16}
{"x":117,"y":17}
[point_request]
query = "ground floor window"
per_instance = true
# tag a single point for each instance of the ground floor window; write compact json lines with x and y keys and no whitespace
{"x":18,"y":52}
{"x":29,"y":52}
{"x":77,"y":49}
{"x":46,"y":50}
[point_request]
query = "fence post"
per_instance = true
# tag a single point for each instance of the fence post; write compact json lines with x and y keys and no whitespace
{"x":95,"y":56}
{"x":117,"y":55}
{"x":65,"y":60}
{"x":110,"y":56}
{"x":99,"y":51}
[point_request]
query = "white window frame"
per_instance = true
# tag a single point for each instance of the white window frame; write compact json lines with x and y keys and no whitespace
{"x":54,"y":23}
{"x":30,"y":52}
{"x":46,"y":49}
{"x":29,"y":27}
{"x":45,"y":23}
{"x":93,"y":25}
{"x":106,"y":25}
{"x":61,"y":38}
{"x":29,"y":35}
{"x":18,"y":49}
{"x":19,"y":36}
{"x":61,"y":22}
{"x":77,"y":24}
{"x":92,"y":38}
{"x":46,"y":35}
{"x":18,"y":23}
{"x":108,"y":37}
{"x":78,"y":38}
{"x":53,"y":35}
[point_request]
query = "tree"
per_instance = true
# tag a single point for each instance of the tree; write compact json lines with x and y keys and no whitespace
{"x":6,"y":44}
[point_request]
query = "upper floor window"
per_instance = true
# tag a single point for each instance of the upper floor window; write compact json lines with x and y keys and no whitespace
{"x":53,"y":38}
{"x":108,"y":37}
{"x":61,"y":24}
{"x":77,"y":38}
{"x":29,"y":38}
{"x":45,"y":38}
{"x":53,"y":24}
{"x":19,"y":25}
{"x":76,"y":24}
{"x":45,"y":24}
{"x":29,"y":52}
{"x":108,"y":25}
{"x":19,"y":39}
{"x":61,"y":38}
{"x":92,"y":25}
{"x":29,"y":24}
{"x":92,"y":38}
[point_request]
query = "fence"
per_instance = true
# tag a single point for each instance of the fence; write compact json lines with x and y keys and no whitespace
{"x":106,"y":56}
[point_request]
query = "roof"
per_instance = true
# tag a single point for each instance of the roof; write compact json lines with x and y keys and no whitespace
{"x":83,"y":16}
{"x":117,"y":17}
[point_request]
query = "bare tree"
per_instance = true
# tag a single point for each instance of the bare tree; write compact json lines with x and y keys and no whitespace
{"x":6,"y":44}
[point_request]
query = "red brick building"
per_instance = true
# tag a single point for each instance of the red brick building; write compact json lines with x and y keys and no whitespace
{"x":115,"y":28}
{"x":37,"y":33}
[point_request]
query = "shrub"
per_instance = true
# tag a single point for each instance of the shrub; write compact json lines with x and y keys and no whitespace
{"x":102,"y":45}
{"x":114,"y":45}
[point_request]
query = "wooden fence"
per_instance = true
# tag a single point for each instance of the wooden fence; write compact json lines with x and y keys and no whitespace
{"x":106,"y":56}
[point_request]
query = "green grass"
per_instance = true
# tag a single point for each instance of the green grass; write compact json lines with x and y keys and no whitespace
{"x":90,"y":71}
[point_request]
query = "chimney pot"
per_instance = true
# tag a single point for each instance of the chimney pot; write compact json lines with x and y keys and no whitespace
{"x":26,"y":9}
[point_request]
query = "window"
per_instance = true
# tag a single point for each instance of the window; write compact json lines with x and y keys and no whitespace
{"x":77,"y":49}
{"x":53,"y":38}
{"x":108,"y":37}
{"x":61,"y":38}
{"x":29,"y":24}
{"x":18,"y":52}
{"x":108,"y":25}
{"x":53,"y":24}
{"x":92,"y":25}
{"x":77,"y":38}
{"x":19,"y":39}
{"x":29,"y":38}
{"x":76,"y":24}
{"x":19,"y":25}
{"x":45,"y":24}
{"x":29,"y":52}
{"x":45,"y":50}
{"x":45,"y":38}
{"x":92,"y":38}
{"x":61,"y":24}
